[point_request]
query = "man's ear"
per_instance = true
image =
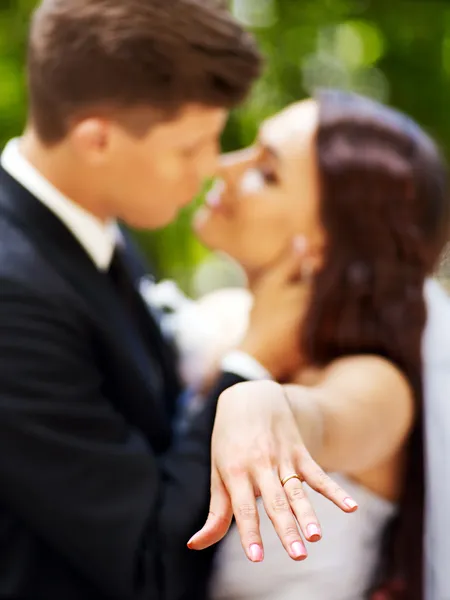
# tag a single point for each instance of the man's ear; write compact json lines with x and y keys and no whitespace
{"x":91,"y":139}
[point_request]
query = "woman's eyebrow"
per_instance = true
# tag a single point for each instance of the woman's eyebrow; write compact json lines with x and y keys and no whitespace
{"x":267,"y":148}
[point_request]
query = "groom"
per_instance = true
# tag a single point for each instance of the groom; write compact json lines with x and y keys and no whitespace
{"x":127,"y":103}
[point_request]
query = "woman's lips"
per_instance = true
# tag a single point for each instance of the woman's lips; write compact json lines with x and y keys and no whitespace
{"x":214,"y":206}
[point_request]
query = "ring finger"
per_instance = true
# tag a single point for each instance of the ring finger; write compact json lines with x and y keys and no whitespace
{"x":301,"y":506}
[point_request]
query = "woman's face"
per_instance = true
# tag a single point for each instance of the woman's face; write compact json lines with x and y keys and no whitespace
{"x":268,"y":193}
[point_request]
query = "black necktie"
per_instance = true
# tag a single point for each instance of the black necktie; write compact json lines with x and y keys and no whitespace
{"x":122,"y":281}
{"x":145,"y":323}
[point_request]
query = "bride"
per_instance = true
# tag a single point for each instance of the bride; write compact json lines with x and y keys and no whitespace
{"x":362,"y":190}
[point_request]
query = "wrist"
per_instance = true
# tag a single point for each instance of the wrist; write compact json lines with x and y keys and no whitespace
{"x":263,"y":357}
{"x":245,"y":365}
{"x":305,"y":406}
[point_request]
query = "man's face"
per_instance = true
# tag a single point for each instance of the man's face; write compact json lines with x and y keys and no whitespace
{"x":145,"y":181}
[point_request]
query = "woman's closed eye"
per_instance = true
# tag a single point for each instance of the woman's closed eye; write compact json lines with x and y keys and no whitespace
{"x":269,"y":174}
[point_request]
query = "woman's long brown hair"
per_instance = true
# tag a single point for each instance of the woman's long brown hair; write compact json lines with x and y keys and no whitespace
{"x":384,"y":208}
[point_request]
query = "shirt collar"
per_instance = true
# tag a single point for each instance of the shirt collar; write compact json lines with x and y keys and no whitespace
{"x":96,"y":237}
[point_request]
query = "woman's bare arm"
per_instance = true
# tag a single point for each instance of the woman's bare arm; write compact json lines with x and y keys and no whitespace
{"x":357,"y":417}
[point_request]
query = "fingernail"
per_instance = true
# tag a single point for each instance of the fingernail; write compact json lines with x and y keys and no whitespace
{"x":300,"y":244}
{"x":189,"y":544}
{"x":314,"y":534}
{"x":298,"y":550}
{"x":256,"y":553}
{"x":350,"y":503}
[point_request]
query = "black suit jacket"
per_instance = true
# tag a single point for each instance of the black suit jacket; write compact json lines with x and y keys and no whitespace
{"x":96,"y":499}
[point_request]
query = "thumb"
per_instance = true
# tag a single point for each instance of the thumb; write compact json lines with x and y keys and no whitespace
{"x":219,"y":517}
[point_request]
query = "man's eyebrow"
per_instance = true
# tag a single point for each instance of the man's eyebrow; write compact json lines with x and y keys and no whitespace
{"x":202,"y":140}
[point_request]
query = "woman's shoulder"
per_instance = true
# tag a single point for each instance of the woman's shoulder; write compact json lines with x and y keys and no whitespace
{"x":353,"y":366}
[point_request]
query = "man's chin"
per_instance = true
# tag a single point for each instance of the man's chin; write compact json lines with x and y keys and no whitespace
{"x":152,"y":222}
{"x":201,"y":220}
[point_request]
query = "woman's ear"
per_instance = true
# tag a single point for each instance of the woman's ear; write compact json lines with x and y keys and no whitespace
{"x":311,"y":256}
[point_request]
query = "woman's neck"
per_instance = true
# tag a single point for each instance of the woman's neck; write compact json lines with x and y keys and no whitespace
{"x":253,"y":276}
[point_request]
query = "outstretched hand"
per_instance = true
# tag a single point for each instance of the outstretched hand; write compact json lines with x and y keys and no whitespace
{"x":256,"y":445}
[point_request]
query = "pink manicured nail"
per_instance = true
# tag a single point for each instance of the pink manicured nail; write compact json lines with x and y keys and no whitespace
{"x":298,"y":550}
{"x":350,"y":503}
{"x":256,"y":553}
{"x":314,"y":534}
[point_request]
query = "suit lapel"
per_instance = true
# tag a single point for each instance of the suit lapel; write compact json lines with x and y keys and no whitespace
{"x":60,"y":248}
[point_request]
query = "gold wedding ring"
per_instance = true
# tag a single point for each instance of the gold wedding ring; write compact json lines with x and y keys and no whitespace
{"x":289,"y":477}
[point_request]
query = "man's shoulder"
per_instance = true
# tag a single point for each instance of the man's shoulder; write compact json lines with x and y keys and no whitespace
{"x":20,"y":258}
{"x":26,"y":273}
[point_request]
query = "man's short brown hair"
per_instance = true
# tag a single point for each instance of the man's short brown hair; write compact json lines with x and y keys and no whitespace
{"x":93,"y":55}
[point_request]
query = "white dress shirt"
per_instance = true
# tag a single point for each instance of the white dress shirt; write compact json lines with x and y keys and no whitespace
{"x":98,"y":238}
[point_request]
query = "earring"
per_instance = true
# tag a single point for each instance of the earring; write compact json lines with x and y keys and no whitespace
{"x":307,"y":268}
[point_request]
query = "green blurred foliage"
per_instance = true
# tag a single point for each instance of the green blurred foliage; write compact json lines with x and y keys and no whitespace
{"x":398,"y":52}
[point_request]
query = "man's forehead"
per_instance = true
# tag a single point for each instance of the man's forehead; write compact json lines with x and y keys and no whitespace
{"x":191,"y":123}
{"x":193,"y":114}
